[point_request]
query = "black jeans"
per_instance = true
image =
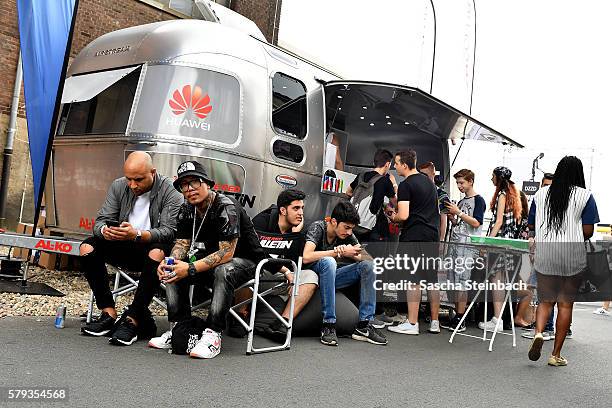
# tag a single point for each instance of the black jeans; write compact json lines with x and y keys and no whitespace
{"x":127,"y":254}
{"x":223,"y":280}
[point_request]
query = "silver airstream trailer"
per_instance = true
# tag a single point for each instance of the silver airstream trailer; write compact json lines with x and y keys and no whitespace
{"x":258,"y":118}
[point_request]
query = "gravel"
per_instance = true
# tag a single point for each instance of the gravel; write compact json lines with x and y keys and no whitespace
{"x":72,"y":283}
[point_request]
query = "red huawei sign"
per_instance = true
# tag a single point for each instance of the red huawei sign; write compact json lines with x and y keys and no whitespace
{"x":181,"y":102}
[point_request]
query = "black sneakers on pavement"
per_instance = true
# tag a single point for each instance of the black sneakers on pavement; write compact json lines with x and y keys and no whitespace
{"x":101,"y":326}
{"x":367,"y":332}
{"x":125,"y":334}
{"x":454,"y":323}
{"x":328,"y":334}
{"x":277,"y":332}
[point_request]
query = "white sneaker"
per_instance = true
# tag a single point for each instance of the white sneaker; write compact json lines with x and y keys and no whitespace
{"x":208,"y":346}
{"x":405,"y":328}
{"x":162,"y":342}
{"x":602,"y":312}
{"x":434,"y":326}
{"x":490,"y":325}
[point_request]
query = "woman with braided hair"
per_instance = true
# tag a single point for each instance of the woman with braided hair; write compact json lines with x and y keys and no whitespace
{"x":563,"y":216}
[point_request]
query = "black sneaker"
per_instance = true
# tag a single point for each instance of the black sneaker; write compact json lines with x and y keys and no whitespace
{"x":370,"y":334}
{"x":328,"y":334}
{"x":277,"y":332}
{"x":382,"y":321}
{"x":125,"y":333}
{"x":101,"y":326}
{"x":454,"y":323}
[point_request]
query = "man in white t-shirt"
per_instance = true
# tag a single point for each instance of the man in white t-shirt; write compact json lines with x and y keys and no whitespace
{"x":134,"y":228}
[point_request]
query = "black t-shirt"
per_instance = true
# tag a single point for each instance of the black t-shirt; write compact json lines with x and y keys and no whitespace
{"x":289,"y":245}
{"x":382,"y":188}
{"x":423,"y":219}
{"x":225,"y":221}
{"x":267,"y":220}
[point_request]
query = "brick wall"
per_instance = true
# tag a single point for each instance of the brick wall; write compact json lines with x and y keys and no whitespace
{"x":94,"y":18}
{"x":262,"y":12}
{"x":9,"y":47}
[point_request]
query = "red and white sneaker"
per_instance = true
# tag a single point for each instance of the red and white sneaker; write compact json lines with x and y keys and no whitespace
{"x":209,"y":346}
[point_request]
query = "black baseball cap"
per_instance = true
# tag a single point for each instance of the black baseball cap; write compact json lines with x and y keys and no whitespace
{"x":191,"y":168}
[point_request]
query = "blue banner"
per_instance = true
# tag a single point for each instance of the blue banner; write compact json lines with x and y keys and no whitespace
{"x":44,"y":30}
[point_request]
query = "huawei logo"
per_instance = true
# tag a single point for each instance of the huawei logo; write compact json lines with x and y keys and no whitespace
{"x":181,"y":102}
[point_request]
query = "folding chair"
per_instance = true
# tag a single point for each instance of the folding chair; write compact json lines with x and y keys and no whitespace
{"x":118,"y":290}
{"x":253,"y":284}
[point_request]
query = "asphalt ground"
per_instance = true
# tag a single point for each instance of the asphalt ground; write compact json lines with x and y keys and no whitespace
{"x":409,"y":371}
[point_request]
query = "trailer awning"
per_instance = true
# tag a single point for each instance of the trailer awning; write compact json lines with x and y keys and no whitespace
{"x":81,"y":88}
{"x":368,"y":107}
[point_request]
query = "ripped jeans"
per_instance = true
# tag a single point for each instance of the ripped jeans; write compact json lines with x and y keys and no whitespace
{"x":223,"y":280}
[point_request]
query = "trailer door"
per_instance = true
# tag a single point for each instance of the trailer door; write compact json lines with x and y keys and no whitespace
{"x":365,"y":116}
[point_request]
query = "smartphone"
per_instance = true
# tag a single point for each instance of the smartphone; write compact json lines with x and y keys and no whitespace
{"x":112,"y":223}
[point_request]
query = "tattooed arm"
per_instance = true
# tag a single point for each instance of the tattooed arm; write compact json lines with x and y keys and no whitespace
{"x":180,"y":249}
{"x":223,"y":255}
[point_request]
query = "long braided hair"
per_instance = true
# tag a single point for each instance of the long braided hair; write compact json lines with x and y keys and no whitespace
{"x":568,"y":175}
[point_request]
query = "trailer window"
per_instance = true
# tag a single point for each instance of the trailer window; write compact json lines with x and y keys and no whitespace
{"x":288,"y":106}
{"x":288,"y":151}
{"x":186,"y":102}
{"x":106,"y":113}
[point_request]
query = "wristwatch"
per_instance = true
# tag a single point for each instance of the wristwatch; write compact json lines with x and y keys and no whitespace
{"x":138,"y":236}
{"x":191,"y":270}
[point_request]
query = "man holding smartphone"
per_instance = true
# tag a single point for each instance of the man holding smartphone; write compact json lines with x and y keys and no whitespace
{"x":329,"y":244}
{"x":135,"y":229}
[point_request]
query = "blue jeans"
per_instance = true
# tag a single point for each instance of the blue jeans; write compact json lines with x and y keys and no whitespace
{"x":331,"y":278}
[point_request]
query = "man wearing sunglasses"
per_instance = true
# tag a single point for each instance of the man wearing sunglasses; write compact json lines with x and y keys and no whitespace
{"x":134,"y":228}
{"x":216,"y":244}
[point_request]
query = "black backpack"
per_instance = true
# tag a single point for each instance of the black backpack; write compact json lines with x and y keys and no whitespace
{"x":186,"y":334}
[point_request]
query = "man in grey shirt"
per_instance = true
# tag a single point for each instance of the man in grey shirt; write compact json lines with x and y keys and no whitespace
{"x":134,"y":228}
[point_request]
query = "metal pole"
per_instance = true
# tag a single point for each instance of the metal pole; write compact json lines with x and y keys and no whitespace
{"x":8,"y":148}
{"x":433,"y":58}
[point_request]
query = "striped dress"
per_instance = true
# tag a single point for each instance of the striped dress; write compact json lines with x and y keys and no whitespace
{"x":561,"y":253}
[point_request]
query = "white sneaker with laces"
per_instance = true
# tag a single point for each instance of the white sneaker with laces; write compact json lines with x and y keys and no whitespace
{"x":162,"y":342}
{"x":434,"y":326}
{"x":208,"y":346}
{"x":490,"y":325}
{"x":602,"y":312}
{"x":405,"y":328}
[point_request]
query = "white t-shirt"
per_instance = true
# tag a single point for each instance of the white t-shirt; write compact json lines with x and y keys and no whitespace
{"x":139,"y":217}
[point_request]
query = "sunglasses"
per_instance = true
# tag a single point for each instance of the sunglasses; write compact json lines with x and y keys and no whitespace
{"x":194,"y":184}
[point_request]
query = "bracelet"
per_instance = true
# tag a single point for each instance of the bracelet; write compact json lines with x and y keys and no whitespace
{"x":460,"y":214}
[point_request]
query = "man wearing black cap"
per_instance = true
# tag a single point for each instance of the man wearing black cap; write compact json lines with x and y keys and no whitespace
{"x":134,"y":228}
{"x":215,"y":243}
